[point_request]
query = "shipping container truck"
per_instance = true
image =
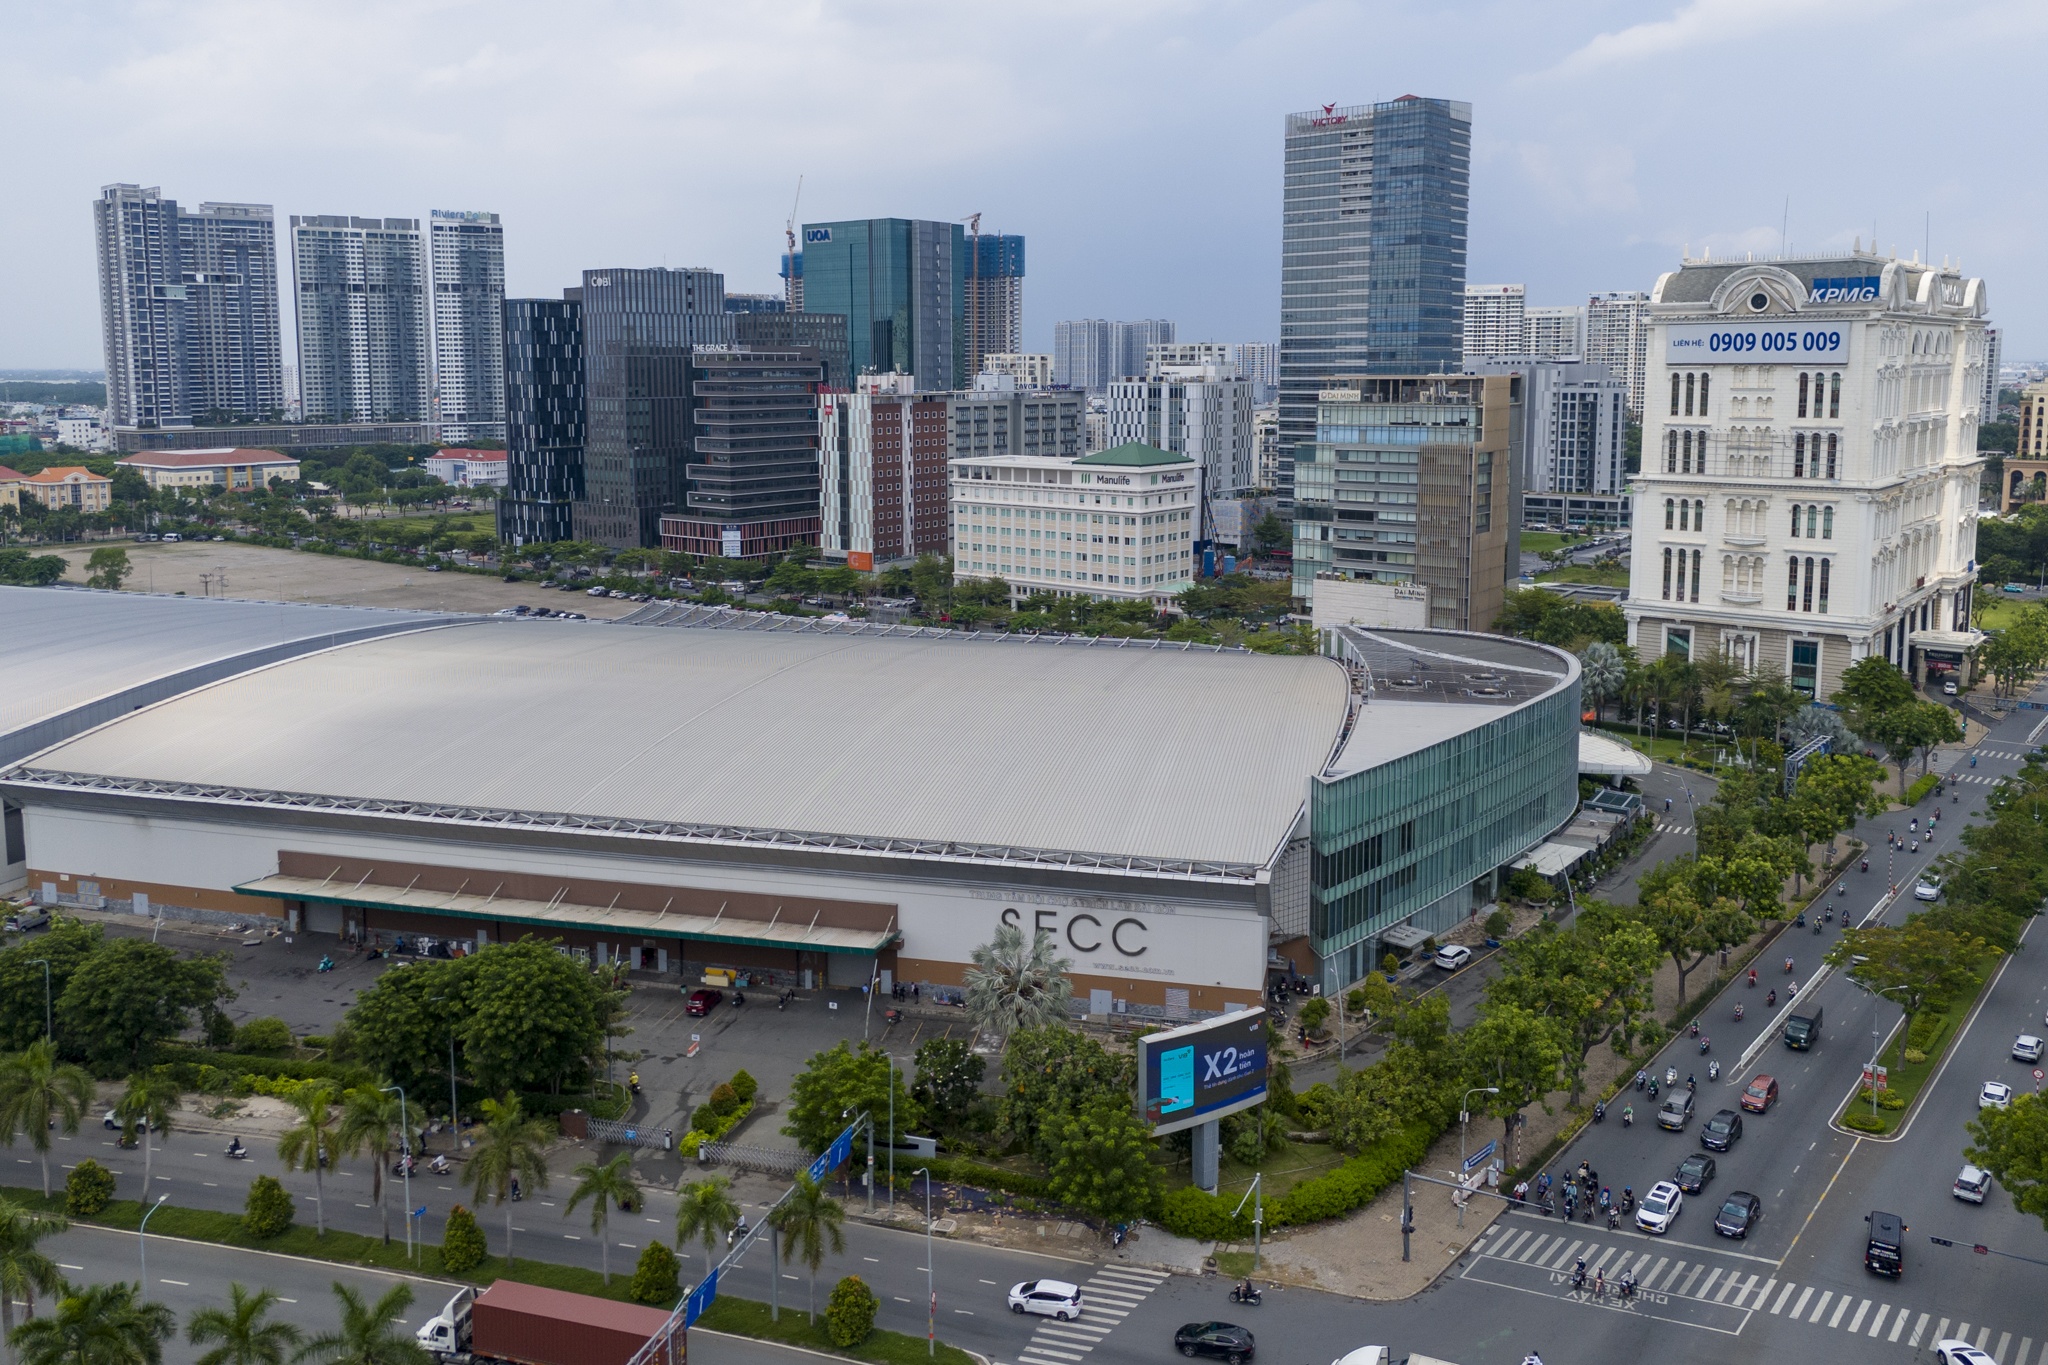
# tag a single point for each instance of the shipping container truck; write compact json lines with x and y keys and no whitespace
{"x":524,"y":1324}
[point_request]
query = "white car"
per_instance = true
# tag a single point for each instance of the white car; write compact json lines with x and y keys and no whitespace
{"x":2026,"y":1048}
{"x":1972,"y":1183}
{"x":1957,"y":1352}
{"x":1053,"y":1298}
{"x":1659,"y":1209}
{"x":1948,"y":689}
{"x":1928,"y":888}
{"x":1452,"y":956}
{"x":1995,"y":1095}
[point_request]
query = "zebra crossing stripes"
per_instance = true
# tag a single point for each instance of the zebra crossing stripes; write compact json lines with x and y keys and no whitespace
{"x":1665,"y":827}
{"x":1107,"y":1298}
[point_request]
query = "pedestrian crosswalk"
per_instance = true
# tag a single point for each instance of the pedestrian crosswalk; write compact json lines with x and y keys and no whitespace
{"x":1982,"y":779}
{"x":1676,"y":1281}
{"x":1106,"y":1300}
{"x":1666,"y":827}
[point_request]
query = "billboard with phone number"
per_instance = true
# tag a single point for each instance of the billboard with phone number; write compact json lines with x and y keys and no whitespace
{"x":1188,"y":1076}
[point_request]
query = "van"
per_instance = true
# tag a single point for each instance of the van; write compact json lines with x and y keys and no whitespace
{"x":26,"y":918}
{"x":1885,"y":1252}
{"x":1802,"y":1031}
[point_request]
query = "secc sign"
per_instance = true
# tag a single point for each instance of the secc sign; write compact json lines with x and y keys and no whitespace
{"x":1086,"y":933}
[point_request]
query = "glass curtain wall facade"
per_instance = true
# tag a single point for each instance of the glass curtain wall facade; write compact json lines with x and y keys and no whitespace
{"x":1409,"y":839}
{"x":823,"y":333}
{"x":995,"y":299}
{"x":755,"y":450}
{"x":544,"y":418}
{"x":639,"y":327}
{"x":1372,"y":255}
{"x":901,"y":285}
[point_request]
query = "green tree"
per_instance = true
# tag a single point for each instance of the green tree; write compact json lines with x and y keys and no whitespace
{"x":370,"y":1119}
{"x":1690,"y":920}
{"x":101,"y":1324}
{"x":242,"y":1333}
{"x":1102,"y":1161}
{"x":1870,"y":688}
{"x":1915,"y":964}
{"x":605,"y":1184}
{"x":65,"y":945}
{"x":948,"y":1079}
{"x":1603,"y":673}
{"x":1518,"y":1053}
{"x":370,"y":1333}
{"x":1270,"y":534}
{"x":510,"y":1148}
{"x":38,"y":1093}
{"x":107,"y":567}
{"x":36,"y":571}
{"x":1047,"y":1071}
{"x":1591,"y":979}
{"x":705,"y":1210}
{"x":850,"y":1312}
{"x":809,"y":1220}
{"x":309,"y":1143}
{"x":462,"y":1242}
{"x":150,"y":1102}
{"x":2012,"y":1144}
{"x":88,"y":1189}
{"x":656,"y":1276}
{"x":269,"y":1208}
{"x":844,"y":1080}
{"x":24,"y":1270}
{"x":131,"y":994}
{"x":1014,"y":986}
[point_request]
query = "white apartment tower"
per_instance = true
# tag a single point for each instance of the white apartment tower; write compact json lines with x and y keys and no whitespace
{"x":1808,"y":496}
{"x":1031,"y":369}
{"x":1203,"y":411}
{"x":1992,"y":357}
{"x":467,"y":251}
{"x":1617,"y":336}
{"x":1554,"y":333}
{"x":1494,"y":318}
{"x":361,"y":288}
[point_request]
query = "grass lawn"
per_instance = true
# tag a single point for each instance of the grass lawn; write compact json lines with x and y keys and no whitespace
{"x":1616,"y":577}
{"x":1905,"y":1079}
{"x":1662,"y":749}
{"x":427,"y":524}
{"x":1293,"y":1163}
{"x":1543,"y":542}
{"x":1999,"y":609}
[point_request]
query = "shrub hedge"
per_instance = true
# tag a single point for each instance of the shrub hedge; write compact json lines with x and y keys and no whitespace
{"x":87,"y":1189}
{"x":1192,"y":1213}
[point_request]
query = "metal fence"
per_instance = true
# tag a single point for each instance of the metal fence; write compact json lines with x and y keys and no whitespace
{"x":587,"y":1127}
{"x":770,"y":1160}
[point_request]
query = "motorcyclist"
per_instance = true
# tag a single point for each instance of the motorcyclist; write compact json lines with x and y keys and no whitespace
{"x":1738,"y":1011}
{"x":234,"y":1146}
{"x":1628,"y":1115}
{"x":1642,"y":1079}
{"x":1771,"y":999}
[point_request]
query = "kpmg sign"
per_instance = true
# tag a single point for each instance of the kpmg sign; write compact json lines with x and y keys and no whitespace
{"x":1754,"y":343}
{"x":1845,"y":289}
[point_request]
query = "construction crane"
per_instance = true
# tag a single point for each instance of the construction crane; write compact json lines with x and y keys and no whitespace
{"x":973,"y":352}
{"x":789,"y":279}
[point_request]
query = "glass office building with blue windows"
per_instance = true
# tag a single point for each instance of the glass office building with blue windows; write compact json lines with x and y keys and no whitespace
{"x":1462,"y":756}
{"x":901,"y":284}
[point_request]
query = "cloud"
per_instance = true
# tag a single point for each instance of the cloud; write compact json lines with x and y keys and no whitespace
{"x":1580,"y":177}
{"x":1708,"y":23}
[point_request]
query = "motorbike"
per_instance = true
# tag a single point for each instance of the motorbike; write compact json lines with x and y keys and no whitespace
{"x":326,"y":964}
{"x":633,"y":1081}
{"x":1116,"y":1237}
{"x":1866,"y":864}
{"x":1653,"y":1090}
{"x":1579,"y":1274}
{"x":1600,"y":1111}
{"x":237,"y":1151}
{"x":1752,"y":976}
{"x":439,"y":1165}
{"x":1613,"y":1219}
{"x":516,"y":1195}
{"x":1628,"y":1116}
{"x":1642,"y":1079}
{"x":1245,"y":1293}
{"x":1713,"y":1071}
{"x":782,"y":1001}
{"x":1788,"y":966}
{"x":1695,"y":1030}
{"x":1705,"y":1043}
{"x":1628,"y":1199}
{"x":405,"y":1165}
{"x":1738,"y":1013}
{"x":1816,"y":926}
{"x":1913,"y":847}
{"x":1770,"y":1000}
{"x":1626,"y":1286}
{"x":738,"y":998}
{"x":1670,"y":1077}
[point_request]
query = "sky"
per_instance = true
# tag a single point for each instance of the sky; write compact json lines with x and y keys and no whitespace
{"x":1136,"y":144}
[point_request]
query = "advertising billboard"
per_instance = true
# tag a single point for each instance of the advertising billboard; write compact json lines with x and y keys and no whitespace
{"x":1188,"y":1076}
{"x":1755,"y":343}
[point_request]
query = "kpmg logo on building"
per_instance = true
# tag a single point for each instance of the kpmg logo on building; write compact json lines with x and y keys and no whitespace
{"x":812,"y":234}
{"x":1845,"y":289}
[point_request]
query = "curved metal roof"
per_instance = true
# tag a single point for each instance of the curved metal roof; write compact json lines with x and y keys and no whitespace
{"x":975,"y":748}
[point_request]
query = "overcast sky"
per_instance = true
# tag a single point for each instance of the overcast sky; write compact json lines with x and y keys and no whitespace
{"x":1136,"y":145}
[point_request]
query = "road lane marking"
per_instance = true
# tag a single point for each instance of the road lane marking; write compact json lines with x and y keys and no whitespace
{"x":1822,"y":1306}
{"x":1939,"y":1332}
{"x":1855,"y":1323}
{"x":282,"y":1299}
{"x":1048,"y":1351}
{"x":878,"y":1260}
{"x":1877,"y":1323}
{"x":62,"y":1266}
{"x":2026,"y":1344}
{"x":899,"y":1298}
{"x":1783,"y":1295}
{"x":1983,"y":1335}
{"x":1708,"y":1287}
{"x":182,"y":1284}
{"x":985,"y":1282}
{"x":1899,"y":1323}
{"x":1800,"y":1307}
{"x":2004,"y":1340}
{"x":1533,"y":1247}
{"x":1686,"y":1288}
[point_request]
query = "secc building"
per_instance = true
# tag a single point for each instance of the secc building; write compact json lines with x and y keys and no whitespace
{"x":797,"y":802}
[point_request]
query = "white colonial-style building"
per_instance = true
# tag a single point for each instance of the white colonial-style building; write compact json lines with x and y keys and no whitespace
{"x":1808,"y":492}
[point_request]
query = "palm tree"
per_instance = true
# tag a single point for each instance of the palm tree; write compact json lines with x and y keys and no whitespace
{"x":24,"y":1271}
{"x":1012,"y":986}
{"x":607,"y":1183}
{"x":38,"y":1091}
{"x":149,"y":1102}
{"x":510,"y":1148}
{"x":705,"y":1210}
{"x":307,"y":1145}
{"x":1603,"y":672}
{"x":101,"y":1324}
{"x":368,"y":1119}
{"x":245,"y":1337}
{"x":368,"y":1335}
{"x":809,"y":1219}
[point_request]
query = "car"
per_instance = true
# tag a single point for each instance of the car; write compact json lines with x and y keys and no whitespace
{"x":1739,"y":1212}
{"x":1676,"y":1112}
{"x":1761,"y":1094}
{"x":1948,"y":689}
{"x":1722,"y":1130}
{"x":111,"y":1120}
{"x":702,"y":1002}
{"x":1052,"y":1298}
{"x":1224,"y":1340}
{"x":1928,"y":888}
{"x":1694,"y":1172}
{"x":434,"y":568}
{"x":1995,"y":1095}
{"x":1452,"y":956}
{"x":594,"y":592}
{"x":1972,"y":1184}
{"x":1659,"y":1209}
{"x":27,"y":918}
{"x":2026,"y":1048}
{"x":1955,"y":1351}
{"x":2014,"y":588}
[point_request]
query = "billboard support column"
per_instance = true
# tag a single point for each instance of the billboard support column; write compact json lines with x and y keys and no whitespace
{"x":1208,"y":1139}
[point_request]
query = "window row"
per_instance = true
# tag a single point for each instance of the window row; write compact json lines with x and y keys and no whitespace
{"x":1826,"y":390}
{"x":1689,"y":386}
{"x":1806,"y":454}
{"x":1675,"y":574}
{"x":1691,"y":514}
{"x":1820,"y":521}
{"x":1679,"y":447}
{"x":1799,"y":587}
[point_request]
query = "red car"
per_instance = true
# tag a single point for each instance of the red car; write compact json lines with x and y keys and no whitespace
{"x":1761,"y":1094}
{"x":702,"y":1002}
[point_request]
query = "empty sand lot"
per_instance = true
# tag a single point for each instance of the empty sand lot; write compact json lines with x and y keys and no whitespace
{"x":203,"y":568}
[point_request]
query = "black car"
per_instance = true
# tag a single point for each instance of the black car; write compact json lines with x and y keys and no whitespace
{"x":1694,"y":1172}
{"x":1721,"y":1130}
{"x":1739,"y":1213}
{"x":1224,"y":1340}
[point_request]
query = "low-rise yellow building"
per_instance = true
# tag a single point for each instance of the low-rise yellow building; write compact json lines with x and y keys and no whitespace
{"x":72,"y":486}
{"x":231,"y":467}
{"x":10,"y":487}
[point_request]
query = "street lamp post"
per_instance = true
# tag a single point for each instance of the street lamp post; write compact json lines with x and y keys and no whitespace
{"x":1465,"y":1117}
{"x":142,"y":1239}
{"x":44,"y":963}
{"x":931,"y":1295}
{"x":405,"y":1161}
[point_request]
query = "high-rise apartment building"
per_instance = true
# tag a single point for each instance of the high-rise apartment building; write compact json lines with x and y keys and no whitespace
{"x":467,"y":252}
{"x":1203,"y":411}
{"x":1617,"y":336}
{"x":756,"y":303}
{"x":1574,"y":429}
{"x":1993,"y":357}
{"x":792,"y":281}
{"x":1131,"y":343}
{"x":544,"y":418}
{"x":1031,"y":370}
{"x":360,"y":286}
{"x":901,"y":284}
{"x":1259,"y":362}
{"x":995,"y":298}
{"x":639,"y":328}
{"x":1266,"y":441}
{"x":1214,"y":354}
{"x":1495,"y":318}
{"x":752,"y":477}
{"x":1554,"y":333}
{"x":1415,"y":479}
{"x":1808,"y":496}
{"x":999,"y":416}
{"x":188,"y":310}
{"x":1080,"y":354}
{"x":1372,"y":250}
{"x":882,"y":472}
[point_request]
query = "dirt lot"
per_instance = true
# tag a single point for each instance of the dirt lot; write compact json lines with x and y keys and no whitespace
{"x":203,"y":568}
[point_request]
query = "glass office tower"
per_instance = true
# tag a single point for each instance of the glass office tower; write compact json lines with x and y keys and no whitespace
{"x":901,"y":284}
{"x":1372,"y":254}
{"x":544,"y":416}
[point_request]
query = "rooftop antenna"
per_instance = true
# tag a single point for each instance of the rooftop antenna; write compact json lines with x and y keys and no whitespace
{"x":1785,"y":228}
